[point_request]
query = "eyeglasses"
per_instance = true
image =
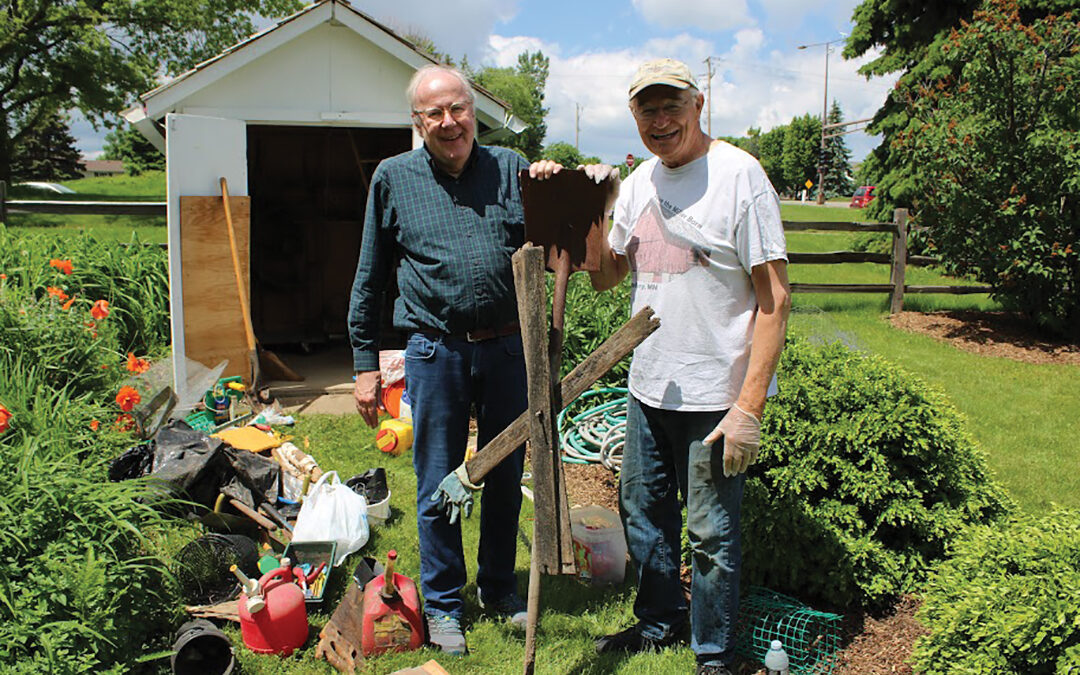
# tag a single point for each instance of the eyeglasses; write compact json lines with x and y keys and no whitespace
{"x":458,"y":111}
{"x":649,"y":112}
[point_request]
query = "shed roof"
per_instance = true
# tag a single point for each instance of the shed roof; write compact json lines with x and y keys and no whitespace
{"x":189,"y":91}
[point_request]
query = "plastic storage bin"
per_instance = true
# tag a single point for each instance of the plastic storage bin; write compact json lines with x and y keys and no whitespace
{"x":313,"y":553}
{"x":599,"y":545}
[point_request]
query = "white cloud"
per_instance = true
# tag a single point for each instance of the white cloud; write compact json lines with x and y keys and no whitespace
{"x":708,"y":16}
{"x":751,"y":88}
{"x":456,"y":28}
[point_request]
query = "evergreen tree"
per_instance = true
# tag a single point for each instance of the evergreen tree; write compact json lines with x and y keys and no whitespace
{"x":46,"y":152}
{"x":837,"y":158}
{"x":137,"y":153}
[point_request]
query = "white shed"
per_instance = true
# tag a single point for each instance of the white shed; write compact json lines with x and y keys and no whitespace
{"x":296,"y":119}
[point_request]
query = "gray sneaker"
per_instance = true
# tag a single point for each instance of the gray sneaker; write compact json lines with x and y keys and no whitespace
{"x":510,"y":607}
{"x":444,"y":632}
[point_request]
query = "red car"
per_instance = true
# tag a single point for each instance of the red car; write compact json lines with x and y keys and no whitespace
{"x":862,"y":197}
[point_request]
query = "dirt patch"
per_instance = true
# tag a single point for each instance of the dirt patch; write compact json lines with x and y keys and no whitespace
{"x":591,"y":484}
{"x":1000,"y":334}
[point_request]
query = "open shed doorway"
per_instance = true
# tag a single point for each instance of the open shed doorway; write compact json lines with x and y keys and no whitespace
{"x":308,"y":188}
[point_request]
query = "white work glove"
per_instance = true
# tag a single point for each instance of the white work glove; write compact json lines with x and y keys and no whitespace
{"x":600,"y":172}
{"x":742,"y":440}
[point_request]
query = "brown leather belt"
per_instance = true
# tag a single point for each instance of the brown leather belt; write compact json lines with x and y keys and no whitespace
{"x":481,"y":334}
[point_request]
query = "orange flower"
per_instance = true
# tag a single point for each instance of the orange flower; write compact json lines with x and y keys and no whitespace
{"x":64,"y":266}
{"x":124,"y":422}
{"x":2,"y":276}
{"x":137,"y":365}
{"x":57,"y":293}
{"x":128,"y":398}
{"x":100,"y":310}
{"x":5,"y":415}
{"x":94,"y":425}
{"x":67,"y":305}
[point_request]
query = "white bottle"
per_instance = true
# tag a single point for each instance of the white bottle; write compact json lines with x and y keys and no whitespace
{"x":776,"y":659}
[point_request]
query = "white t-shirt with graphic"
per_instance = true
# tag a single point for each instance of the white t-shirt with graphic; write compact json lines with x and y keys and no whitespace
{"x":692,"y":234}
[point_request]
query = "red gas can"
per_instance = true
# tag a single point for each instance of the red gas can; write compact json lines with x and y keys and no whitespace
{"x":392,"y":619}
{"x":281,"y":626}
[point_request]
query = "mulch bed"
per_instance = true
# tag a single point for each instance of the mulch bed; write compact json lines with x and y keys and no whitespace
{"x":1000,"y":334}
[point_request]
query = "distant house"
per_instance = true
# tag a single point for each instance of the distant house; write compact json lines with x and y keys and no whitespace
{"x":92,"y":168}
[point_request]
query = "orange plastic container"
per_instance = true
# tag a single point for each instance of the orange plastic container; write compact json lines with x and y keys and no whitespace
{"x":392,"y":619}
{"x":281,"y":626}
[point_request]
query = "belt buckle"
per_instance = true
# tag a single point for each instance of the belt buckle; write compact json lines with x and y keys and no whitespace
{"x":469,"y":337}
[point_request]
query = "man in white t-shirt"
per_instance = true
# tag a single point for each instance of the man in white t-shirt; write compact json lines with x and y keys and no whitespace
{"x":699,"y":228}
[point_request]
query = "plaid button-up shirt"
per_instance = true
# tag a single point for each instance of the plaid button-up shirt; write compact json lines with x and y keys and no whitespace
{"x":451,"y":239}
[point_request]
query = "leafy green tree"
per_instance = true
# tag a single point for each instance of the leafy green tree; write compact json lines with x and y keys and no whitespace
{"x":837,"y":158}
{"x":95,"y":55}
{"x":994,"y":147}
{"x":908,"y":37}
{"x":564,"y":153}
{"x":137,"y":153}
{"x":802,"y":144}
{"x":523,"y":88}
{"x":46,"y":152}
{"x":771,"y":155}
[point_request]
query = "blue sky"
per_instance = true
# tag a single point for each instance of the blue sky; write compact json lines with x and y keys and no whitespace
{"x":760,"y":77}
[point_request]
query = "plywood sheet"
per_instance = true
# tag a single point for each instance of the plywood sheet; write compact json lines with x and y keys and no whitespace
{"x":213,"y":321}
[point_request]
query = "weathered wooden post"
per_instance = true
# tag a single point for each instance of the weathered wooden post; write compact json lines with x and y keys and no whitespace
{"x":899,"y":261}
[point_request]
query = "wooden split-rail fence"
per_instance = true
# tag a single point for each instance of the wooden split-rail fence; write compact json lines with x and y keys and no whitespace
{"x":898,"y":259}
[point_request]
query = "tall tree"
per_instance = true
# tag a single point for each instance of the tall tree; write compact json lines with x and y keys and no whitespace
{"x":771,"y":155}
{"x":909,"y":37}
{"x":837,"y":157}
{"x":523,"y":88}
{"x":995,"y":155}
{"x":96,"y":55}
{"x":46,"y":152}
{"x":802,"y":144}
{"x":131,"y":147}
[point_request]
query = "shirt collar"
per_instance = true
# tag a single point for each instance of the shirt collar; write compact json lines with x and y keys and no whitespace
{"x":469,"y":163}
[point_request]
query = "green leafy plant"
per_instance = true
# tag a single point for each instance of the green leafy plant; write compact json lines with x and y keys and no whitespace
{"x":866,"y":474}
{"x":995,"y":140}
{"x":591,"y":318}
{"x":1007,"y":601}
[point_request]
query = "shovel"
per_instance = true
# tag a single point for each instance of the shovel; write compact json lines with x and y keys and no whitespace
{"x":256,"y":355}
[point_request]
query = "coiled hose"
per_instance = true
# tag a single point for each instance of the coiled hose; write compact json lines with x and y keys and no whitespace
{"x":596,"y":434}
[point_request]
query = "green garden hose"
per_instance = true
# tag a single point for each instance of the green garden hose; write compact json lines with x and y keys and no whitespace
{"x":597,"y":434}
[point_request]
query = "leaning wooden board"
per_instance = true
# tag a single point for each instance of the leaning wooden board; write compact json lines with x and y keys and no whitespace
{"x":213,"y":323}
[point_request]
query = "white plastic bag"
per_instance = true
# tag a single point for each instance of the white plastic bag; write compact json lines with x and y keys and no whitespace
{"x":333,"y":512}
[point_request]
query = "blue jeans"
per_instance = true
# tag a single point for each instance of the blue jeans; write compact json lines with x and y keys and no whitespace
{"x":657,"y":468}
{"x":445,"y":378}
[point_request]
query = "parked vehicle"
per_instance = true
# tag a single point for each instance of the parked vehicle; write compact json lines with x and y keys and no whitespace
{"x":862,"y":197}
{"x":42,"y":186}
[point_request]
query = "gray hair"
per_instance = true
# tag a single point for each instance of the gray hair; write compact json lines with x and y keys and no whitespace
{"x":421,"y":74}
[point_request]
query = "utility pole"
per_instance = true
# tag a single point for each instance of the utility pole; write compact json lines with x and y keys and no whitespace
{"x":577,"y":123}
{"x":824,"y":119}
{"x":708,"y":93}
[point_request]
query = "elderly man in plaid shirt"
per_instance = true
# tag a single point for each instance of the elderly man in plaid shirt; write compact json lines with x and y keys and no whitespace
{"x":449,"y":216}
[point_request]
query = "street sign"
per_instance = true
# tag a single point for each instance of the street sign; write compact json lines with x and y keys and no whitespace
{"x":629,"y":160}
{"x":809,"y":183}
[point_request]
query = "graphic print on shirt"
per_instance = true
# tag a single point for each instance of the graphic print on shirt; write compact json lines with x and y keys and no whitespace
{"x":664,"y":242}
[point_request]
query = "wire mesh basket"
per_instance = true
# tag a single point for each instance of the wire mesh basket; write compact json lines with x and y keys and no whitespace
{"x":811,"y":638}
{"x":202,"y":567}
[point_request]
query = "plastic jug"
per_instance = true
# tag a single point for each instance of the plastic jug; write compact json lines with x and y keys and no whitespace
{"x":394,"y":437}
{"x":599,"y":545}
{"x":280,"y":626}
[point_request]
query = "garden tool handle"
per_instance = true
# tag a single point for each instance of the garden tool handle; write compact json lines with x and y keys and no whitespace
{"x":249,"y":332}
{"x":259,"y":518}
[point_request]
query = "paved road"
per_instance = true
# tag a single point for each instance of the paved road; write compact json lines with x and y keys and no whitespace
{"x":835,"y":205}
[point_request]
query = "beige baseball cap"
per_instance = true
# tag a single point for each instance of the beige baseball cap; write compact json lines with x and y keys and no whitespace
{"x":662,"y":71}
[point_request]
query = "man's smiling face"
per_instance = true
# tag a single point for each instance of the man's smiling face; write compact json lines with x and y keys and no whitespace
{"x":448,"y":136}
{"x":668,"y":120}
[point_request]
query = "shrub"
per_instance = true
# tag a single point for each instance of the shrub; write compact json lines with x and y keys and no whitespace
{"x":865,"y":476}
{"x":80,"y":591}
{"x":1007,"y":601}
{"x":994,"y":136}
{"x":591,"y":318}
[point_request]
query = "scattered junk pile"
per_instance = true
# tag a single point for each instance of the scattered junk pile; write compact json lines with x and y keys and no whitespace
{"x":276,"y":524}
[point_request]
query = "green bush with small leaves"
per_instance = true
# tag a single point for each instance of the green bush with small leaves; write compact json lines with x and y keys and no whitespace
{"x":866,"y":474}
{"x":591,"y":318}
{"x":1006,"y":602}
